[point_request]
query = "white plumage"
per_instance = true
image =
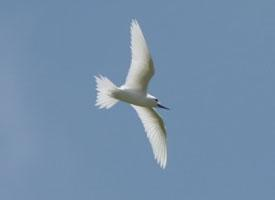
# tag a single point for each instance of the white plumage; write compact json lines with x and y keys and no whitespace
{"x":134,"y":92}
{"x":141,"y":68}
{"x":155,"y":130}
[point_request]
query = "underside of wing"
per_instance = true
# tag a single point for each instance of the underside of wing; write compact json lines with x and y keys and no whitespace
{"x":141,"y":68}
{"x":155,"y":131}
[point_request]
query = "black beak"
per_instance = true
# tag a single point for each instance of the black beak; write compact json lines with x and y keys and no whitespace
{"x":161,"y":106}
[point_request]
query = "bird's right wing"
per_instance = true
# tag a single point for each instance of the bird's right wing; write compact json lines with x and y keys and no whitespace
{"x":142,"y":67}
{"x":156,"y":133}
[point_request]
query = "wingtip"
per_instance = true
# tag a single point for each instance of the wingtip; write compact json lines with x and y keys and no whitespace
{"x":161,"y":159}
{"x":134,"y":23}
{"x":134,"y":20}
{"x":162,"y":163}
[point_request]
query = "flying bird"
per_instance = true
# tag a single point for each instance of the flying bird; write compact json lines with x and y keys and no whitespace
{"x":135,"y":92}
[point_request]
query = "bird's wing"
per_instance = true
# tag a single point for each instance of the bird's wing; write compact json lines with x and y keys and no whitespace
{"x":155,"y":131}
{"x":142,"y":67}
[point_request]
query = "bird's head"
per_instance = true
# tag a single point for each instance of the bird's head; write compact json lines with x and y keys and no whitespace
{"x":155,"y":102}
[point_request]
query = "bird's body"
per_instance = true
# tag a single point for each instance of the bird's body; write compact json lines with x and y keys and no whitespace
{"x":135,"y":97}
{"x":134,"y":92}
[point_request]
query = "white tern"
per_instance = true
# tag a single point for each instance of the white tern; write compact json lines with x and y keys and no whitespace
{"x":134,"y":92}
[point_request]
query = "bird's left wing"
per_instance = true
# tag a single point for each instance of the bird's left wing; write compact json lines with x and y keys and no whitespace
{"x":142,"y":67}
{"x":156,"y":133}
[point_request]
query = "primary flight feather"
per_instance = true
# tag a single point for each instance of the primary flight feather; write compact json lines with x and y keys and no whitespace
{"x":134,"y":92}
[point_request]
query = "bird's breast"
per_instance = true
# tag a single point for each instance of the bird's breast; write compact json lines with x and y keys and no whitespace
{"x":131,"y":96}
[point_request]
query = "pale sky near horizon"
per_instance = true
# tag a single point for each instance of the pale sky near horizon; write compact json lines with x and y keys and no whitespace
{"x":215,"y":69}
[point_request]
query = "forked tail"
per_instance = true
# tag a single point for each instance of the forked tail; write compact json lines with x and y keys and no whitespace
{"x":105,"y":90}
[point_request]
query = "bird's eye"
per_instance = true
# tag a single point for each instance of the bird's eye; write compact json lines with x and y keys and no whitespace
{"x":156,"y":100}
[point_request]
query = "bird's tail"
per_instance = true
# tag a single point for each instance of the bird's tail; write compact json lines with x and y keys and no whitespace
{"x":105,"y":92}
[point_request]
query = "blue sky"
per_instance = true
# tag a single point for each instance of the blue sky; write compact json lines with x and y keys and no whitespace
{"x":214,"y":67}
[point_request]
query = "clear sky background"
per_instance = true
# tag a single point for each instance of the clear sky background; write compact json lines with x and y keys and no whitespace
{"x":215,"y":67}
